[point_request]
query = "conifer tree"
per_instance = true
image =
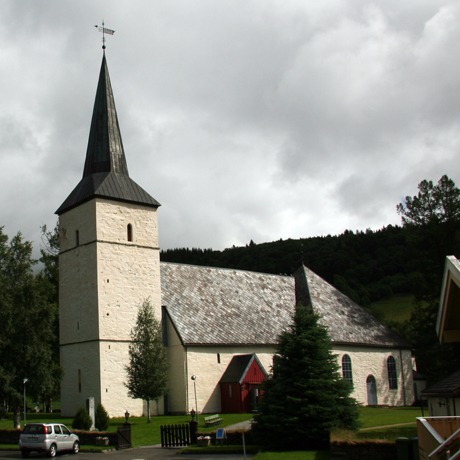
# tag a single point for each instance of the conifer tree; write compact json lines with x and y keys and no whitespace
{"x":148,"y":367}
{"x":305,"y":397}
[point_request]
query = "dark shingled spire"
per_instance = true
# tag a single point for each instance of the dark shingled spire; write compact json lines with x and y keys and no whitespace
{"x":105,"y":173}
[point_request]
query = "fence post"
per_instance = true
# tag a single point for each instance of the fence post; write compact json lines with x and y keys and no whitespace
{"x":193,"y":430}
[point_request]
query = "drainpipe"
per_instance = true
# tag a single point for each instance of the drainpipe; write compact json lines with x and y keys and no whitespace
{"x":186,"y":380}
{"x":402,"y":375}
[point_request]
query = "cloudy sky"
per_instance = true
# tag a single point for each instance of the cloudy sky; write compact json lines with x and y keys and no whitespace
{"x":245,"y":119}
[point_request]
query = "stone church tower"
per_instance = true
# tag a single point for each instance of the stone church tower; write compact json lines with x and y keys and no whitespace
{"x":108,"y":265}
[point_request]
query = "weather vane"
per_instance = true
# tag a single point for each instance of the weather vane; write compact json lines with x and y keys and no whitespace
{"x":104,"y":31}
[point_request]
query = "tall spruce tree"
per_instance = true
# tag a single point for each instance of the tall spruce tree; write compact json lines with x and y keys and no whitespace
{"x":305,"y":397}
{"x":148,"y":367}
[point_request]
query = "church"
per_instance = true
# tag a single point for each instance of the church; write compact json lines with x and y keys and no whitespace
{"x":220,"y":326}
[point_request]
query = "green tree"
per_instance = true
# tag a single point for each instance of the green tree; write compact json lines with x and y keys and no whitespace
{"x":102,"y":418}
{"x":148,"y":367}
{"x":27,"y":319}
{"x":82,"y":420}
{"x":432,"y":221}
{"x":305,"y":397}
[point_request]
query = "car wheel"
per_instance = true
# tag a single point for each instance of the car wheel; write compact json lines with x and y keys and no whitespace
{"x":52,"y":451}
{"x":76,"y":447}
{"x":25,"y":453}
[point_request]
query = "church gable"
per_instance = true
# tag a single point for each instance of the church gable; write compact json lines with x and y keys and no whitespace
{"x":347,"y":322}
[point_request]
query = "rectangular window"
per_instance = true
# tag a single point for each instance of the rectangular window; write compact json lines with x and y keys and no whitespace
{"x":218,"y":358}
{"x":392,"y":374}
{"x":79,"y":380}
{"x":77,"y":238}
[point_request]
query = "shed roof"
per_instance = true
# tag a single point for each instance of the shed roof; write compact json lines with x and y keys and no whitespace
{"x":448,"y":387}
{"x":219,"y":306}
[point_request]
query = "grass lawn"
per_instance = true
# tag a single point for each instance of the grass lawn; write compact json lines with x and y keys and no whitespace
{"x":294,"y":455}
{"x":397,"y":308}
{"x":143,"y":433}
{"x":146,"y":434}
{"x":384,"y":416}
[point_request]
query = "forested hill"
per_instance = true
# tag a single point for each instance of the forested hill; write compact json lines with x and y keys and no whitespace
{"x":366,"y":266}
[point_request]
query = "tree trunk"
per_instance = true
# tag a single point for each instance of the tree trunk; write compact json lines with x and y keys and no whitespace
{"x":17,"y":418}
{"x":148,"y":409}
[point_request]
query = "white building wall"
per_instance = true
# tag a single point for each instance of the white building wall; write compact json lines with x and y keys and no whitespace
{"x":103,"y":282}
{"x":373,"y":361}
{"x":202,"y":361}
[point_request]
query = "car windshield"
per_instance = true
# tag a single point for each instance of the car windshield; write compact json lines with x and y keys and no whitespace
{"x":34,"y":429}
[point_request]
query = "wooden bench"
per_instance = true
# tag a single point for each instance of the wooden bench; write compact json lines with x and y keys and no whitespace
{"x":213,"y":420}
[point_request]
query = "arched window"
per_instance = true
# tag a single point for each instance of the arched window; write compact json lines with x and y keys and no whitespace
{"x":347,"y":371}
{"x":130,"y":232}
{"x":392,"y":376}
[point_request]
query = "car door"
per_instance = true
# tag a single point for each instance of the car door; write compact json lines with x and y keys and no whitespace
{"x":58,"y":437}
{"x":67,"y":440}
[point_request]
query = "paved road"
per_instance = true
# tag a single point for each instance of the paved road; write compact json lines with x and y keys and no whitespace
{"x":142,"y":453}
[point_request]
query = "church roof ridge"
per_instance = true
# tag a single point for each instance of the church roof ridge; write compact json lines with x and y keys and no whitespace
{"x":105,"y":173}
{"x":252,"y":272}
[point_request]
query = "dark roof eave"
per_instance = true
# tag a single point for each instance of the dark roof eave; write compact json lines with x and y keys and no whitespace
{"x":60,"y":211}
{"x":374,"y":345}
{"x":220,"y":344}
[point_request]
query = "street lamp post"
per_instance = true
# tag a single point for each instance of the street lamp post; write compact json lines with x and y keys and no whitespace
{"x":196,"y":403}
{"x":24,"y":381}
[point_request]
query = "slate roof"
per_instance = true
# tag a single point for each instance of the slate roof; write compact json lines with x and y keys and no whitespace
{"x":448,"y":387}
{"x":238,"y":368}
{"x":105,"y":173}
{"x":218,"y":306}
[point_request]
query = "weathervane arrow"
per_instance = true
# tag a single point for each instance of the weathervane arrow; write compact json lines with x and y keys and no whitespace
{"x":104,"y":31}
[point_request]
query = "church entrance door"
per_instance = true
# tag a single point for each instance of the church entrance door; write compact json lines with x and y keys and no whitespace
{"x":371,"y":391}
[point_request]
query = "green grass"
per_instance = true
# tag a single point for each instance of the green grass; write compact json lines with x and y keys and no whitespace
{"x":143,"y":433}
{"x":146,"y":434}
{"x":397,"y":308}
{"x":384,"y":416}
{"x":294,"y":455}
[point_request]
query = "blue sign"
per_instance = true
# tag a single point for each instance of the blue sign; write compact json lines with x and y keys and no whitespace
{"x":221,"y":433}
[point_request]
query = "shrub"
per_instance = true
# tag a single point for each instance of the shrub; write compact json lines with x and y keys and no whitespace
{"x":102,"y":418}
{"x":82,"y":420}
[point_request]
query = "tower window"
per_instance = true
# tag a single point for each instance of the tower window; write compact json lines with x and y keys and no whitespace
{"x":392,"y":377}
{"x":130,"y":232}
{"x":77,"y":238}
{"x":79,"y":380}
{"x":218,"y":358}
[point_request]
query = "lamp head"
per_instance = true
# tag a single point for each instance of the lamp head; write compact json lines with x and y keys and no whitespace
{"x":193,"y":377}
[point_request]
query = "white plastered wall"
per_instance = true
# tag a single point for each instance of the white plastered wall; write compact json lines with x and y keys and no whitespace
{"x":203,"y":362}
{"x":373,"y":361}
{"x":103,"y":282}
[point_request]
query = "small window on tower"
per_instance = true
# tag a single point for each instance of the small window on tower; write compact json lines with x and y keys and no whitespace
{"x":218,"y":358}
{"x":77,"y":238}
{"x":130,"y":232}
{"x":79,"y":380}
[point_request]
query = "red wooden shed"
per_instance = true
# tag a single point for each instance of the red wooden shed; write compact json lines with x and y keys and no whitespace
{"x":239,"y":386}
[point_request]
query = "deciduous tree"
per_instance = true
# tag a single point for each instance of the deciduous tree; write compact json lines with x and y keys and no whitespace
{"x":27,"y":319}
{"x":432,"y":221}
{"x":148,"y":367}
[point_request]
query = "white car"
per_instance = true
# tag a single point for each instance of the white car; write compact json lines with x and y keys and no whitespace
{"x":48,"y":437}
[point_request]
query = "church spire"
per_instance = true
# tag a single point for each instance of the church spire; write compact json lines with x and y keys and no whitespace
{"x":105,"y":173}
{"x":105,"y":151}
